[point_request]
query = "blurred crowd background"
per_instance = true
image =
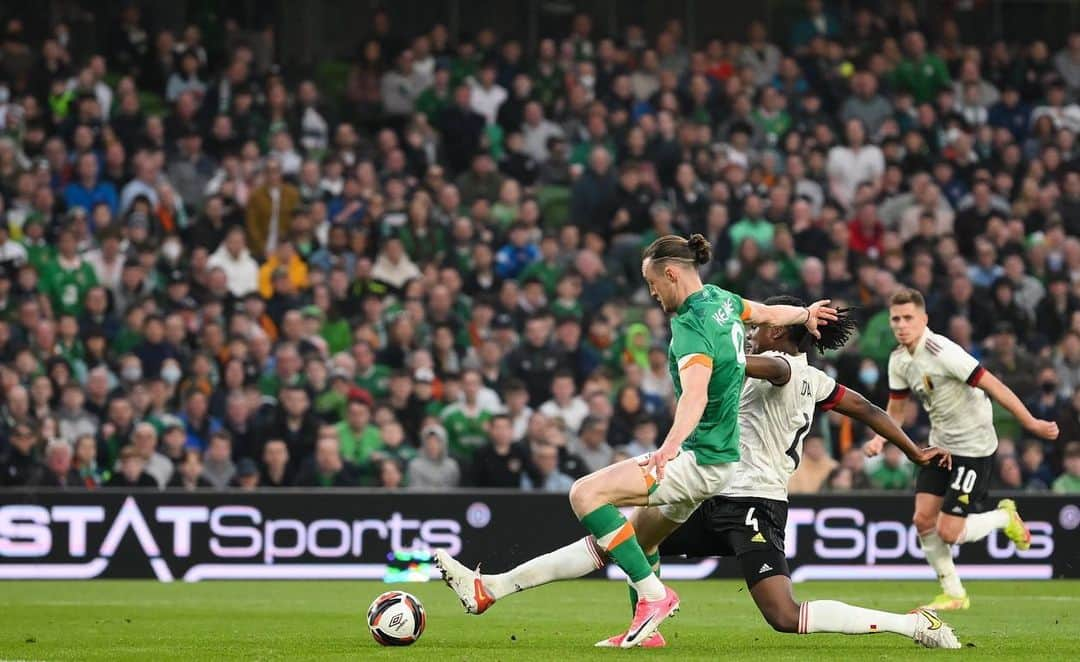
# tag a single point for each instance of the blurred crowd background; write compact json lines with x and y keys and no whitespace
{"x":417,"y":265}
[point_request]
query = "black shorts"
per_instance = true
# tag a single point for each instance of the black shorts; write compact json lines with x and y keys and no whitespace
{"x":964,"y":487}
{"x":748,"y":528}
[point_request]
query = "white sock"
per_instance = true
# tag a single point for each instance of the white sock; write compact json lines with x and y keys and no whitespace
{"x":833,"y":616}
{"x":577,"y":559}
{"x":979,"y":526}
{"x":939,"y":556}
{"x":650,"y":588}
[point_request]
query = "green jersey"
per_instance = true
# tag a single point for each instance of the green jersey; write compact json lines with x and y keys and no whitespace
{"x":67,"y":287}
{"x":708,"y":328}
{"x":466,"y":431}
{"x":376,"y":381}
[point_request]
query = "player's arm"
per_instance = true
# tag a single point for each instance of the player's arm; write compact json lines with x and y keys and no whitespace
{"x":854,"y":405}
{"x":895,"y":410}
{"x":1005,"y":397}
{"x":772,"y":369}
{"x":816,"y":314}
{"x":694,"y":377}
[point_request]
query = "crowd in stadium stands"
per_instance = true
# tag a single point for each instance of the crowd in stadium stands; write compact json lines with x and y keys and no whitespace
{"x":422,"y":270}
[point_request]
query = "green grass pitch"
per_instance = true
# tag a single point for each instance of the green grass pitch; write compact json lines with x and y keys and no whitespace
{"x":121,"y":620}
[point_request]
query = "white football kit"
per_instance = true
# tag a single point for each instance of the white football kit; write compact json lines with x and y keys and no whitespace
{"x":773,"y":422}
{"x":944,"y":377}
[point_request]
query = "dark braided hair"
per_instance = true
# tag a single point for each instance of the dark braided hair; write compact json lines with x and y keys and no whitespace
{"x":695,"y":250}
{"x":834,"y":335}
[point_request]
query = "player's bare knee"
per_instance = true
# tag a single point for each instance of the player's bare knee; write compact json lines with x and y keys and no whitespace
{"x":582,"y":495}
{"x":949,"y":534}
{"x":923,"y":522}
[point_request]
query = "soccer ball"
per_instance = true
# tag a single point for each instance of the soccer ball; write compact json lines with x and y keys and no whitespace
{"x":396,"y":618}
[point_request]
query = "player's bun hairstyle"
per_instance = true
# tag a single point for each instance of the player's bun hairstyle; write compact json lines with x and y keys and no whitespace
{"x":834,"y":335}
{"x":696,"y":249}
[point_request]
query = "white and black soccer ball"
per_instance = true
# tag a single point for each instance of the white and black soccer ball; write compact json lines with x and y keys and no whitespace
{"x":396,"y":618}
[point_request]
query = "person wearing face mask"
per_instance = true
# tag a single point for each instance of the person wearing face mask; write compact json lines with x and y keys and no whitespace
{"x":171,"y":372}
{"x":1047,"y":403}
{"x":130,"y":371}
{"x":171,"y":252}
{"x":870,"y":380}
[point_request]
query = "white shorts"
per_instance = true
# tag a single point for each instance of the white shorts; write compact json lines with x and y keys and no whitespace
{"x":686,"y":484}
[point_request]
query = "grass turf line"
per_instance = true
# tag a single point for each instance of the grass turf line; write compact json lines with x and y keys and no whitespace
{"x":143,"y":620}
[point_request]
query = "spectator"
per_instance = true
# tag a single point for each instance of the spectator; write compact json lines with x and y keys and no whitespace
{"x":840,"y":479}
{"x":357,"y":436}
{"x":1009,"y":475}
{"x":814,"y":468}
{"x":218,"y":467}
{"x":1069,"y":482}
{"x":401,"y":87}
{"x":58,"y":470}
{"x":72,"y":417}
{"x":854,"y":163}
{"x":276,"y":468}
{"x":591,"y":444}
{"x":88,"y":190}
{"x":144,"y":439}
{"x":131,"y":474}
{"x":1033,"y":466}
{"x":593,"y":201}
{"x":327,"y":469}
{"x":865,"y":104}
{"x":500,"y":462}
{"x":920,"y":73}
{"x":893,"y":472}
{"x":269,"y":211}
{"x":565,"y":405}
{"x":465,"y":421}
{"x":854,"y":460}
{"x":433,"y":469}
{"x":247,"y":475}
{"x":189,"y":473}
{"x":547,"y":478}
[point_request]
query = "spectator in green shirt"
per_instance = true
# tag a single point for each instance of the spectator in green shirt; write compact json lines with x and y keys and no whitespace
{"x":359,"y":438}
{"x":921,"y":73}
{"x":1069,"y":482}
{"x":753,"y":225}
{"x":370,"y":376}
{"x":67,"y":277}
{"x":771,"y":118}
{"x":437,"y":97}
{"x":877,"y":340}
{"x":894,"y":472}
{"x":548,"y":269}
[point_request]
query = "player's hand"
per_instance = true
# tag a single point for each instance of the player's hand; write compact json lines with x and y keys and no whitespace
{"x":659,"y":459}
{"x":874,"y":446}
{"x":934,"y":457}
{"x":819,"y":314}
{"x":1046,"y":429}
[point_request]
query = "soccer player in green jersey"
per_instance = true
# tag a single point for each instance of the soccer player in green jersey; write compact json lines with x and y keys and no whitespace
{"x":695,"y":461}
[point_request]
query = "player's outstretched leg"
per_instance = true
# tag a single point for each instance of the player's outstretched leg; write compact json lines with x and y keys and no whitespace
{"x":478,"y":592}
{"x":777,"y":604}
{"x":594,"y":499}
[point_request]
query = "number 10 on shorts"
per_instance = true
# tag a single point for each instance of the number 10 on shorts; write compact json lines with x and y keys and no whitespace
{"x":965,"y":480}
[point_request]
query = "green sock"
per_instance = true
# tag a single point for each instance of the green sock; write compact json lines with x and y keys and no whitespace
{"x":654,"y":561}
{"x":616,"y":536}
